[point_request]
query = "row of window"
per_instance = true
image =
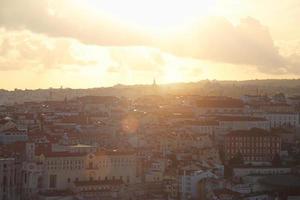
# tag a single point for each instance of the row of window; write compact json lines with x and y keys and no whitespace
{"x":252,"y":151}
{"x":260,"y":138}
{"x":262,"y":145}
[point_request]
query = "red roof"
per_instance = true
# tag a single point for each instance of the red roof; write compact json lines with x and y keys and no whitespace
{"x":62,"y":154}
{"x":220,"y":103}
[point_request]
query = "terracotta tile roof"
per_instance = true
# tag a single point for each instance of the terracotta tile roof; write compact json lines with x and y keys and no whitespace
{"x":220,"y":103}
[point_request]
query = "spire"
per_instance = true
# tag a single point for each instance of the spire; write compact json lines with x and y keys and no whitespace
{"x":154,"y":82}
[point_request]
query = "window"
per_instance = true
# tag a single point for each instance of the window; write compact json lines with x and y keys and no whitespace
{"x":91,"y":165}
{"x":128,"y":179}
{"x":52,"y":181}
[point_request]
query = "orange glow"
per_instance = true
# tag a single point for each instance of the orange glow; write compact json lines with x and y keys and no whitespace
{"x":130,"y":124}
{"x":152,"y":14}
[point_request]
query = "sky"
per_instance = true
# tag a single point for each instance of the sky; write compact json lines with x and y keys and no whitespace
{"x":99,"y":43}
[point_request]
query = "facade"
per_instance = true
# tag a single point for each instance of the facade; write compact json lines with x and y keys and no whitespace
{"x":200,"y":126}
{"x":219,"y":106}
{"x":282,"y":119}
{"x":255,"y":145}
{"x":260,"y":170}
{"x":231,"y":123}
{"x":62,"y":169}
{"x":103,"y":189}
{"x":10,"y":184}
{"x":13,"y":135}
{"x":32,"y":176}
{"x":254,"y":99}
{"x":189,"y":180}
{"x":112,"y":165}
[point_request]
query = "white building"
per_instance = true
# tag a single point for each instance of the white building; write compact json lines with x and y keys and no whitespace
{"x":219,"y":106}
{"x":12,"y":136}
{"x":200,"y":126}
{"x":260,"y":170}
{"x":282,"y":119}
{"x":189,"y":180}
{"x":250,"y":99}
{"x":231,"y":123}
{"x":62,"y":169}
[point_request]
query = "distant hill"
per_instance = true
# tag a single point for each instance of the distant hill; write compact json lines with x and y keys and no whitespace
{"x":204,"y":87}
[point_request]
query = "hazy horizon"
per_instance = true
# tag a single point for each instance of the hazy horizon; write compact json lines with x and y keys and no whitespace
{"x":150,"y":84}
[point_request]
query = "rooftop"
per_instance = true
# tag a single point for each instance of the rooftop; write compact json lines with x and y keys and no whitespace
{"x":282,"y":181}
{"x":239,"y":118}
{"x":251,"y":132}
{"x":99,"y":183}
{"x":220,"y":103}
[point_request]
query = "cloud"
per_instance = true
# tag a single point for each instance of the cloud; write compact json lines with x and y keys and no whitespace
{"x":137,"y":59}
{"x":248,"y":43}
{"x":39,"y":54}
{"x":216,"y":39}
{"x":60,"y":18}
{"x":23,"y":49}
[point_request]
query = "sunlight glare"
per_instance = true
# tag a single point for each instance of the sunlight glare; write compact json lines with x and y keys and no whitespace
{"x":154,"y":13}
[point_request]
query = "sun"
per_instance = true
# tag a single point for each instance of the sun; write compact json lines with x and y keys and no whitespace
{"x":152,"y":13}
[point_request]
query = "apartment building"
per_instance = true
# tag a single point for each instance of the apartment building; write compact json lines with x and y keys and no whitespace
{"x":255,"y":145}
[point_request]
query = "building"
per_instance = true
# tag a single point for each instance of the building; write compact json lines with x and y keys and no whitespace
{"x":189,"y":180}
{"x":9,"y":179}
{"x":112,"y":165}
{"x":255,"y":145}
{"x":100,"y":189}
{"x":62,"y":169}
{"x":98,"y":104}
{"x":200,"y":126}
{"x":260,"y":170}
{"x":219,"y":106}
{"x":13,"y":135}
{"x":282,"y":119}
{"x":255,"y":99}
{"x":231,"y":123}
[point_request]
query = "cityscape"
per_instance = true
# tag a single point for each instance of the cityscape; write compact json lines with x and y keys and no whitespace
{"x":149,"y":100}
{"x":153,"y":146}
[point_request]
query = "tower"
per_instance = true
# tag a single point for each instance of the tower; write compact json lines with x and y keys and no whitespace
{"x":154,"y":89}
{"x":154,"y":83}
